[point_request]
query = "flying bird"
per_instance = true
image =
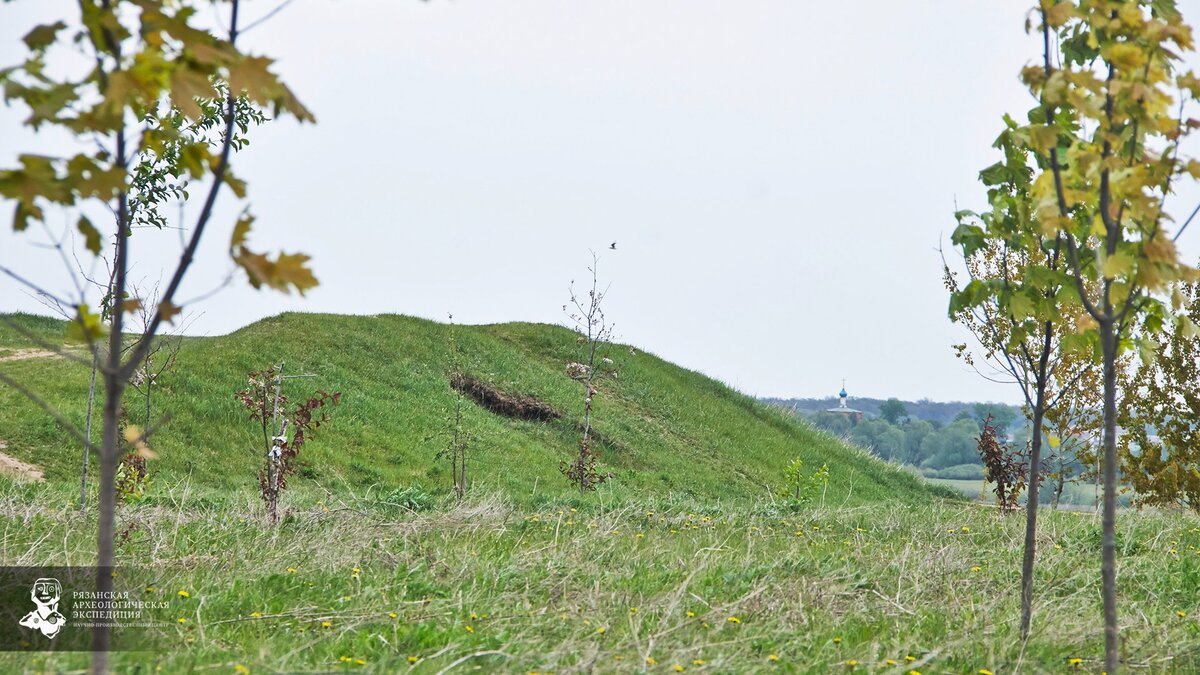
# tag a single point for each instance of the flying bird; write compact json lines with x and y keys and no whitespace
{"x":614,"y":246}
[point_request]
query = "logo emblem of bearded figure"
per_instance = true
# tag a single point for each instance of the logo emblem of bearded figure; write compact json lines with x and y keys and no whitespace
{"x":45,"y":617}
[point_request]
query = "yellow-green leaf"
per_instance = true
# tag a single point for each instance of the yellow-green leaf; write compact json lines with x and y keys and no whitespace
{"x":86,"y":326}
{"x":1042,"y":137}
{"x":187,"y":85}
{"x":91,"y":236}
{"x":168,"y":311}
{"x":43,"y":36}
{"x":1117,"y":264}
{"x":240,"y":231}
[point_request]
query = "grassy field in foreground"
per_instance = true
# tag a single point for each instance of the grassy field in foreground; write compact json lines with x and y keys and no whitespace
{"x":348,"y":585}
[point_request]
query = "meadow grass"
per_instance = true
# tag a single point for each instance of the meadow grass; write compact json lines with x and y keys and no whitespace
{"x":688,"y":561}
{"x":348,"y":584}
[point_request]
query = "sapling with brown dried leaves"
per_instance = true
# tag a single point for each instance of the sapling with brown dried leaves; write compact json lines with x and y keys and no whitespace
{"x":1003,"y":466}
{"x":264,"y":399}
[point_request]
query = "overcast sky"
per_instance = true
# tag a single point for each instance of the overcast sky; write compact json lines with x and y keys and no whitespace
{"x":777,"y":174}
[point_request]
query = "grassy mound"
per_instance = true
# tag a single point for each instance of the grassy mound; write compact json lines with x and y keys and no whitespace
{"x":661,"y":429}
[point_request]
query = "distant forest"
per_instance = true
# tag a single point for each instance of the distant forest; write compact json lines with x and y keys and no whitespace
{"x":938,"y":412}
{"x":940,"y":440}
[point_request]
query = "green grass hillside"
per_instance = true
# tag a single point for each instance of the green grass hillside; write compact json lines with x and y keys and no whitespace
{"x":664,"y":431}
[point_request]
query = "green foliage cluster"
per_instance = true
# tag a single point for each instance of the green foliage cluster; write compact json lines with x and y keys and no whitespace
{"x":133,"y":478}
{"x":409,"y":498}
{"x":804,"y":490}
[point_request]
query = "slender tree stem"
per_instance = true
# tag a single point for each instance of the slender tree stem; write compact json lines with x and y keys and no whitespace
{"x":87,"y":435}
{"x":1108,"y":565}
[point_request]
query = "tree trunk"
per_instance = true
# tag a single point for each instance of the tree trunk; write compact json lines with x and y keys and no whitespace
{"x":87,"y":435}
{"x":1108,"y":566}
{"x":1031,"y":512}
{"x":114,"y":389}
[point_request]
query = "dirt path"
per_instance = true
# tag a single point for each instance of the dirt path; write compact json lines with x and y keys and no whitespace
{"x":25,"y":354}
{"x":16,"y":468}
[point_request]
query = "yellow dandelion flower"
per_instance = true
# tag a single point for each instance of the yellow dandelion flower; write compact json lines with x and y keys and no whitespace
{"x":326,"y":624}
{"x":691,"y":615}
{"x":256,"y":615}
{"x":976,"y":568}
{"x":241,"y":670}
{"x":149,"y":589}
{"x":733,"y":619}
{"x":773,"y":657}
{"x":344,"y":659}
{"x":601,"y":630}
{"x":469,"y":629}
{"x":184,"y":594}
{"x":413,"y":659}
{"x":910,"y":658}
{"x":1074,"y":662}
{"x":705,"y":624}
{"x":678,"y":667}
{"x":639,"y":535}
{"x":1181,"y":614}
{"x":966,"y":530}
{"x":890,"y":662}
{"x":633,"y":610}
{"x":984,"y":671}
{"x":697,"y":662}
{"x":392,"y":615}
{"x":852,"y":663}
{"x":360,"y":662}
{"x":914,"y":672}
{"x":650,"y":661}
{"x":291,"y":570}
{"x":837,"y":640}
{"x":181,"y":620}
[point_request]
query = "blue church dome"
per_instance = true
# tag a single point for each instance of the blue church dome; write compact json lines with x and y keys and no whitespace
{"x":842,"y":393}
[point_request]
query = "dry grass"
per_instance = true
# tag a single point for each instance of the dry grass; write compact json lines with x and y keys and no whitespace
{"x":491,"y":587}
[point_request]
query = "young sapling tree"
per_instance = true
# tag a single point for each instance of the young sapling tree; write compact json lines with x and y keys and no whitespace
{"x":147,"y":65}
{"x":593,"y":331}
{"x":264,"y":399}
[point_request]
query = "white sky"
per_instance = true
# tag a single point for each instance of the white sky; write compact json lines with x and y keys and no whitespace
{"x":777,"y":174}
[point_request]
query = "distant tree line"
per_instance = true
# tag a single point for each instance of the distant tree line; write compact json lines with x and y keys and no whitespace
{"x":937,"y":412}
{"x":936,"y":449}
